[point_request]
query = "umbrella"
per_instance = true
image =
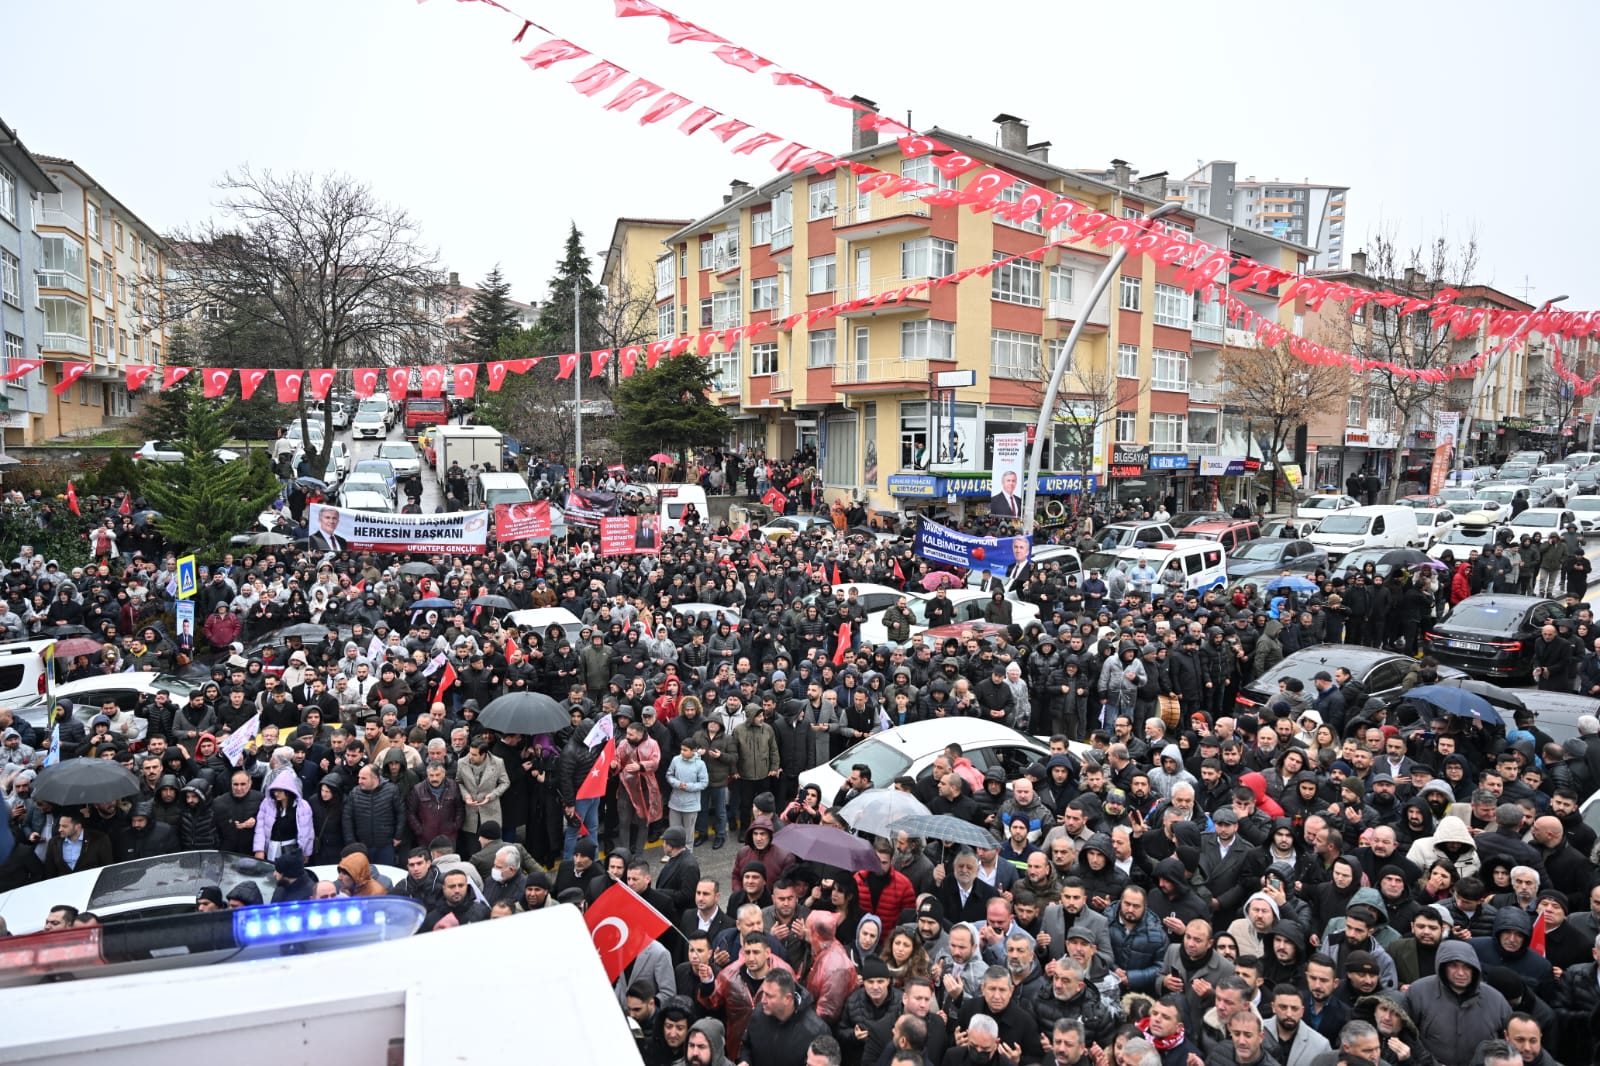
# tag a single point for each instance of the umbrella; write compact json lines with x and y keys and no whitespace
{"x":69,"y":631}
{"x":1457,"y":702}
{"x":662,"y":457}
{"x":304,"y":630}
{"x":1496,"y":695}
{"x":499,"y":603}
{"x":309,"y":482}
{"x":527,"y":713}
{"x":267,"y":540}
{"x":946,"y":827}
{"x":826,"y":844}
{"x":420,"y":569}
{"x":1293,"y":584}
{"x":144,"y":518}
{"x":940,"y":579}
{"x":78,"y":646}
{"x":876,"y":810}
{"x":1403,"y":557}
{"x":1428,"y":564}
{"x":79,"y":781}
{"x":433,"y":601}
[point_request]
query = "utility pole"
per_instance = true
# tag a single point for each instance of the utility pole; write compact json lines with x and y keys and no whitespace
{"x":577,"y":377}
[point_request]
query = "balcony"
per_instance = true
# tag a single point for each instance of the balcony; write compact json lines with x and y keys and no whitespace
{"x":1216,"y":392}
{"x":886,"y":283}
{"x":1209,"y":332}
{"x":1240,"y":338}
{"x":782,"y":382}
{"x":877,"y":216}
{"x":66,"y":342}
{"x":55,"y":216}
{"x":1069,"y":310}
{"x":890,"y":374}
{"x":782,"y":241}
{"x":61,"y":279}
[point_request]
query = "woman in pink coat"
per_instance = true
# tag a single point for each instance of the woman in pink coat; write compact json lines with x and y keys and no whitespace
{"x":635,"y":761}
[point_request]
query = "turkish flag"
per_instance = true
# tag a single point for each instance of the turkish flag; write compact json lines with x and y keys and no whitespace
{"x":321,"y":382}
{"x":628,"y":360}
{"x":447,"y":677}
{"x":70,"y":372}
{"x":836,"y":579}
{"x":172,"y":375}
{"x":249,"y":380}
{"x":399,"y":382}
{"x":844,"y":644}
{"x":569,"y":363}
{"x":72,"y":499}
{"x":20,"y":367}
{"x":1535,"y":941}
{"x":127,"y":504}
{"x":466,"y":375}
{"x":289,"y":382}
{"x":216,"y":382}
{"x":899,"y":575}
{"x":521,"y":366}
{"x":597,"y":361}
{"x":366,"y":382}
{"x":136,"y":376}
{"x":594,"y":782}
{"x":497,"y":376}
{"x":622,"y":925}
{"x":433,"y":381}
{"x":511,"y":645}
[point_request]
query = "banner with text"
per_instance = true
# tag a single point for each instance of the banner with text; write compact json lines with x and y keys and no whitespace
{"x":586,"y":508}
{"x":521,"y":521}
{"x":458,"y":533}
{"x":941,"y":544}
{"x":1005,"y":491}
{"x":630,"y":535}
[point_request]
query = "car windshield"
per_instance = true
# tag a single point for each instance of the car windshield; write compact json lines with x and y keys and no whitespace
{"x":1345,"y":523}
{"x":1259,"y":549}
{"x":180,"y":874}
{"x":1538,"y":519}
{"x":1585,"y":503}
{"x":1504,"y":494}
{"x":1457,"y":493}
{"x":1485,"y":617}
{"x":1469,"y":506}
{"x":1104,"y":561}
{"x":396,"y":450}
{"x":1512,"y":472}
{"x":887,"y":762}
{"x":515,"y":494}
{"x":373,"y":407}
{"x":1305,"y":668}
{"x":1322,"y":503}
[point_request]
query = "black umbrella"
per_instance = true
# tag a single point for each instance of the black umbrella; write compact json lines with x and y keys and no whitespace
{"x":1496,"y":695}
{"x":1402,"y":557}
{"x":69,"y":631}
{"x":420,"y":569}
{"x":527,"y":713}
{"x":79,"y":781}
{"x":303,"y":630}
{"x":499,"y":603}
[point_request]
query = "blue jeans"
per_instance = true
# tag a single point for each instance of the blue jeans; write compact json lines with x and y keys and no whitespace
{"x":713,"y":812}
{"x":383,"y":856}
{"x":588,"y":812}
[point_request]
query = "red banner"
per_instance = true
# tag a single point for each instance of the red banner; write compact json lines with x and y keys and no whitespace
{"x":321,"y":381}
{"x":216,"y":382}
{"x":433,"y":381}
{"x":399,"y":382}
{"x":521,"y":521}
{"x":630,"y":535}
{"x":466,"y":380}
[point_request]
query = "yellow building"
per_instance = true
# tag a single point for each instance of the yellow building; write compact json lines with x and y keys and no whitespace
{"x":630,"y":270}
{"x":102,"y":294}
{"x":859,"y":390}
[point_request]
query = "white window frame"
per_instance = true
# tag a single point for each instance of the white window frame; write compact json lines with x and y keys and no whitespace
{"x":1054,"y":348}
{"x":822,"y":348}
{"x":927,"y":257}
{"x":10,"y":278}
{"x":664,"y":276}
{"x":1013,"y":354}
{"x":1017,"y":282}
{"x":1169,"y":370}
{"x":707,"y":252}
{"x":8,"y":195}
{"x":763,"y":358}
{"x":1012,"y":194}
{"x":1127,"y":427}
{"x":822,"y":200}
{"x":1061,"y":284}
{"x":1130,"y":292}
{"x":726,"y":309}
{"x":725,"y":371}
{"x":764,"y":293}
{"x":1352,"y":410}
{"x":921,"y":168}
{"x":1174,"y":307}
{"x":928,"y":338}
{"x":99,"y":340}
{"x":725,"y":250}
{"x":706,"y":311}
{"x":667,"y":320}
{"x":1127,"y":360}
{"x":829,"y":266}
{"x":1169,"y":431}
{"x":761,"y":227}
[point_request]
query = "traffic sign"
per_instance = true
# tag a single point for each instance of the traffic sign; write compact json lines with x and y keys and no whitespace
{"x":188,"y":582}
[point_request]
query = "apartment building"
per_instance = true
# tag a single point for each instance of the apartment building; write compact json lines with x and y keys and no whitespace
{"x":454,"y":302}
{"x":860,"y":388}
{"x":22,"y":185}
{"x":101,"y":288}
{"x":1303,"y":212}
{"x":634,"y":265}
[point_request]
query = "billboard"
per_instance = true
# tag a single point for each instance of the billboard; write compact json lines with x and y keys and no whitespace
{"x":1005,"y":490}
{"x":941,"y":544}
{"x":521,"y":521}
{"x":457,"y":533}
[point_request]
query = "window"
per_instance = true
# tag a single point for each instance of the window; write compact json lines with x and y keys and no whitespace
{"x":63,"y":263}
{"x":94,"y":275}
{"x":705,"y":313}
{"x":820,"y":346}
{"x":118,"y":238}
{"x":922,"y":169}
{"x":122,"y":288}
{"x":927,"y":339}
{"x":725,"y":309}
{"x":927,"y":257}
{"x":1060,"y":285}
{"x":94,"y":220}
{"x":663,"y":275}
{"x":783,"y":219}
{"x":1128,"y":292}
{"x":667,"y":320}
{"x":869,"y":436}
{"x":99,"y":336}
{"x":1352,"y":411}
{"x":764,"y":358}
{"x":820,"y":200}
{"x":67,"y":318}
{"x":725,"y":250}
{"x":913,"y":435}
{"x":8,"y":195}
{"x":822,"y":274}
{"x":10,"y":278}
{"x":1167,"y":431}
{"x":1016,"y":282}
{"x":1056,"y":348}
{"x":706,"y":253}
{"x":764,"y":294}
{"x":1174,"y":307}
{"x":122,"y":343}
{"x":1169,"y":370}
{"x":839,"y":459}
{"x":725,"y":371}
{"x":683,"y":260}
{"x":106,"y":273}
{"x":1013,"y":194}
{"x":761,"y":228}
{"x":1127,"y":360}
{"x":13,"y":350}
{"x":1127,"y":426}
{"x":1013,"y":354}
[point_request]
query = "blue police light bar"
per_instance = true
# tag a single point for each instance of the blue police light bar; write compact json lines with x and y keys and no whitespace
{"x":374,"y":917}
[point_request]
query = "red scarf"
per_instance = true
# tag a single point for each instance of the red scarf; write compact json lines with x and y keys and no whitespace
{"x":1161,"y":1043}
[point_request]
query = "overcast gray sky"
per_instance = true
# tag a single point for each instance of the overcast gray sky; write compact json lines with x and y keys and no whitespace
{"x":1443,"y":118}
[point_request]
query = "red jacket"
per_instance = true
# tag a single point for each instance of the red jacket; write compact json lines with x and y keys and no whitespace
{"x":897,"y":896}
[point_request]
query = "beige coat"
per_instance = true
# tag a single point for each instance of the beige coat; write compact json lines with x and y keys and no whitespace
{"x":486,"y":783}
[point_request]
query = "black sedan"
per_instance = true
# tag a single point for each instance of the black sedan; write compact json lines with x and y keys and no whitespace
{"x":1381,"y":673}
{"x":1271,"y":555}
{"x":1491,"y":635}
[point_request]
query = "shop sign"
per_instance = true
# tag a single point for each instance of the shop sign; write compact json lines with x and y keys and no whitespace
{"x":1172,"y":461}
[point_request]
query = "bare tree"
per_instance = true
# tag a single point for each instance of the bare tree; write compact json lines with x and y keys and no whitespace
{"x":1278,"y":390}
{"x":339,"y":276}
{"x":628,"y":316}
{"x":1552,"y":400}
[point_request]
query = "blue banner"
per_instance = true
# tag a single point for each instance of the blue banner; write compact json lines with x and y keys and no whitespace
{"x":941,"y":544}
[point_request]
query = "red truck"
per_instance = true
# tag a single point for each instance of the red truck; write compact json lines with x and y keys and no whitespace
{"x":420,"y":411}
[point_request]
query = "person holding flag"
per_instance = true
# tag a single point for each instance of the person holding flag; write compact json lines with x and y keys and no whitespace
{"x":581,"y":776}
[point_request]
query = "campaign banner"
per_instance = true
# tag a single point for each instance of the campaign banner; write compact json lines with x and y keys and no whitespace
{"x":457,"y":533}
{"x":185,"y":618}
{"x":1446,"y":431}
{"x":521,"y":521}
{"x":630,"y":535}
{"x":1005,"y":490}
{"x":586,"y":508}
{"x":941,"y":544}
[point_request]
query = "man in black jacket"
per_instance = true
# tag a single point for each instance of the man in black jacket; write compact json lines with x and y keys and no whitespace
{"x":459,"y":907}
{"x":576,"y":760}
{"x":234,"y":813}
{"x":423,"y":881}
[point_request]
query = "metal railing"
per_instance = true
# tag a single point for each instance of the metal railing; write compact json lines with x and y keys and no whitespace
{"x":55,"y":216}
{"x":1212,"y":332}
{"x":66,"y":342}
{"x":783,"y":238}
{"x":1213,"y":392}
{"x":876,"y":207}
{"x":852,"y":371}
{"x":1069,"y":310}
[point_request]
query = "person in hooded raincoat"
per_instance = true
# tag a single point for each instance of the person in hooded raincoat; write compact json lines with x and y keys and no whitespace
{"x":284,"y":818}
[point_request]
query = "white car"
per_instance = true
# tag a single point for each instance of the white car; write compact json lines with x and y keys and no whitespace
{"x":402,"y":456}
{"x":1290,"y":528}
{"x":1554,"y":489}
{"x":969,"y":606}
{"x":89,"y":694}
{"x":371,"y":420}
{"x":341,"y":412}
{"x":160,"y":451}
{"x":365,"y":500}
{"x":1481,"y":511}
{"x":369,"y":482}
{"x":1329,"y":501}
{"x":1544,"y":520}
{"x":1587,"y":508}
{"x":1463,"y":538}
{"x":1432,"y":522}
{"x":909,"y":750}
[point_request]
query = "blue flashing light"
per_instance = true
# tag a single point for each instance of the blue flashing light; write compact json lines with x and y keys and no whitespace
{"x":322,"y":919}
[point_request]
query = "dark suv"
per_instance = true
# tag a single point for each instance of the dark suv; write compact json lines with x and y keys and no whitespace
{"x":1381,"y":673}
{"x":1491,"y":635}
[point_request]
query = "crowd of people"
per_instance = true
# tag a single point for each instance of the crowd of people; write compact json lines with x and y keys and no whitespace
{"x":1322,"y":878}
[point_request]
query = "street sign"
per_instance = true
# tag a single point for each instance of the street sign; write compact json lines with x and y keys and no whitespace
{"x":955,"y":379}
{"x":188,"y":583}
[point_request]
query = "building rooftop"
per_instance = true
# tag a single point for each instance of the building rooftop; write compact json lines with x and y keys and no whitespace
{"x":122,"y":208}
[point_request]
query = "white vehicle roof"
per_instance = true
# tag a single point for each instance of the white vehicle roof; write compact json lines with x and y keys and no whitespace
{"x":365,"y":500}
{"x":542,"y":618}
{"x":142,"y":681}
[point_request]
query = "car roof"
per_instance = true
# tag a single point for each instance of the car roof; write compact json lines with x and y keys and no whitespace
{"x":933,"y":734}
{"x":353,"y":497}
{"x":139,"y":679}
{"x":1217,"y":527}
{"x":1507,"y":600}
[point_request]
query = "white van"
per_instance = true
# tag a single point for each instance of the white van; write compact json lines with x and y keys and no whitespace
{"x":25,"y":672}
{"x":1379,"y":526}
{"x":672,"y":501}
{"x":1203,"y":561}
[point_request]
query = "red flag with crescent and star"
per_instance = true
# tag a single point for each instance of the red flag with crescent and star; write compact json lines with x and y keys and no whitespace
{"x":216,"y":382}
{"x":288,"y":384}
{"x":321,"y":382}
{"x":399,"y":382}
{"x":172,"y":375}
{"x":136,"y":376}
{"x":366,"y":382}
{"x":622,"y":925}
{"x":594,"y":782}
{"x":70,"y":372}
{"x":249,"y":380}
{"x":466,"y":380}
{"x":497,"y":376}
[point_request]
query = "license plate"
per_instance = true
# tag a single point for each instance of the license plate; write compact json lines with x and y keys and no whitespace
{"x":1464,"y":645}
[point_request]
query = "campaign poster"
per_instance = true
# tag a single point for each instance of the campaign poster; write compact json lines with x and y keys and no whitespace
{"x":521,"y":521}
{"x":1005,"y":491}
{"x":586,"y":508}
{"x":457,"y":533}
{"x":630,"y":535}
{"x":1446,"y":429}
{"x":185,"y":618}
{"x":941,"y":544}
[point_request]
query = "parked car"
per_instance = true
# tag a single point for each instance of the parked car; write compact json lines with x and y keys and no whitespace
{"x":366,"y":500}
{"x":1329,"y":501}
{"x":1269,"y":556}
{"x":25,"y":671}
{"x":1290,"y":528}
{"x":1543,"y":520}
{"x":1423,"y":499}
{"x":1479,"y":511}
{"x":373,"y":419}
{"x":1128,"y":534}
{"x":1551,"y":491}
{"x":1184,"y":519}
{"x":1491,"y":635}
{"x":402,"y":457}
{"x":1231,"y":533}
{"x":1432,"y":522}
{"x":369,"y":482}
{"x":1381,"y":673}
{"x":1587,"y":510}
{"x":1464,"y":538}
{"x":161,"y":451}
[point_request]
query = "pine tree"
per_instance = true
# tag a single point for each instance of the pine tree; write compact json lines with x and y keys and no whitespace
{"x":553,"y":331}
{"x":666,"y":409}
{"x":204,"y":502}
{"x":491,"y":316}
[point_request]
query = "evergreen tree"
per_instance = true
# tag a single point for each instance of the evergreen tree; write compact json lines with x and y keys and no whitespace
{"x":204,"y":502}
{"x":164,"y":415}
{"x":491,"y":316}
{"x":667,"y":410}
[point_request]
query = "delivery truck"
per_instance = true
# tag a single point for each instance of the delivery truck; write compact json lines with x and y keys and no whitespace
{"x":465,"y":445}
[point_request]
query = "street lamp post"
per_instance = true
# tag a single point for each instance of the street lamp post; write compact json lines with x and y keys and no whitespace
{"x":577,"y":375}
{"x":1030,"y":491}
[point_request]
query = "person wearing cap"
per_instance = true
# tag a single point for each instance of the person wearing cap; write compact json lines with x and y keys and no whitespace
{"x":869,"y":1005}
{"x":294,"y":882}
